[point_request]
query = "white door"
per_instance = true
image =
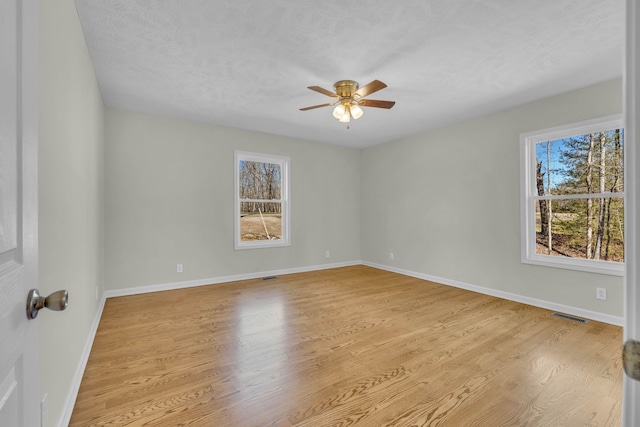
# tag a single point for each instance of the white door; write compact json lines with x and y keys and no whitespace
{"x":19,"y":388}
{"x":631,"y":394}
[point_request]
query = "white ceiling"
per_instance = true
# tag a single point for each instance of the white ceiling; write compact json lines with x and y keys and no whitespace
{"x":247,"y":63}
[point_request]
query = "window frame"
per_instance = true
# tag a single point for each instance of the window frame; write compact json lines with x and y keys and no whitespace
{"x":529,"y":195}
{"x":284,"y":163}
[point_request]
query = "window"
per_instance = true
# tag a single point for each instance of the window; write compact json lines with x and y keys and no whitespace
{"x":572,"y":206}
{"x":261,"y":200}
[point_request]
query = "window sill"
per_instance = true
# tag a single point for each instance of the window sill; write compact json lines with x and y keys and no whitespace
{"x":588,"y":266}
{"x":261,"y":244}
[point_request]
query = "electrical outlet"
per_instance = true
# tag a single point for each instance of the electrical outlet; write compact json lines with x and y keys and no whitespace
{"x":179,"y":268}
{"x":391,"y":256}
{"x":44,"y":410}
{"x":327,"y":254}
{"x":601,"y":293}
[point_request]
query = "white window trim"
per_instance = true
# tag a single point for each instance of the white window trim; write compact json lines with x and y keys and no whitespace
{"x":284,"y":163}
{"x":528,"y":188}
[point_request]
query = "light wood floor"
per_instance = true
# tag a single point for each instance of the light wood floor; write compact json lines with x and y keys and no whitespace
{"x":349,"y":346}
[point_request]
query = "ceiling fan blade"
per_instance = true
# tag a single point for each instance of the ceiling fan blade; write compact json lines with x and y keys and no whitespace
{"x":376,"y":103}
{"x":316,"y":106}
{"x":323,"y":91}
{"x":370,"y":88}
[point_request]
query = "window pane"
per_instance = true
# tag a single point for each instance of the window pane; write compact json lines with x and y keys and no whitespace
{"x":260,"y":221}
{"x":261,"y":201}
{"x":582,"y":164}
{"x":260,"y":180}
{"x":581,"y":228}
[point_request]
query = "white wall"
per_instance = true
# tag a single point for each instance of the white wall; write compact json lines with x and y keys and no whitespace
{"x":169,"y":200}
{"x":447,"y":203}
{"x":71,"y":197}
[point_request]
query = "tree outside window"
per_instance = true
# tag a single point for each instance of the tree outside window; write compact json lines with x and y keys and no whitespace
{"x":573,"y":196}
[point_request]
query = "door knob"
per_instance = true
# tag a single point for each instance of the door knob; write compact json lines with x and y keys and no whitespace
{"x":57,"y":301}
{"x":631,"y":359}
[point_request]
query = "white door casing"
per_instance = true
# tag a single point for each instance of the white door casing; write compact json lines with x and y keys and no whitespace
{"x":19,"y":386}
{"x":631,"y":388}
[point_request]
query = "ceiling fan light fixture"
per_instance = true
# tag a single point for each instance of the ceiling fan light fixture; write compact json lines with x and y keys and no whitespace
{"x":356,"y":111}
{"x":346,"y":117}
{"x":338,"y":112}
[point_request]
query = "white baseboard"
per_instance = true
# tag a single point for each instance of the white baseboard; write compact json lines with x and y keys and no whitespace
{"x":575,"y":311}
{"x":223,"y":279}
{"x":75,"y":386}
{"x":77,"y":378}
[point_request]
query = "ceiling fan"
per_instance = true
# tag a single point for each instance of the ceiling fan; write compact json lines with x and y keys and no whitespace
{"x":350,"y":98}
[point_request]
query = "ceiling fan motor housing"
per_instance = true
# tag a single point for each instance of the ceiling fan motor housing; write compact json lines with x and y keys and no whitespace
{"x":346,"y":88}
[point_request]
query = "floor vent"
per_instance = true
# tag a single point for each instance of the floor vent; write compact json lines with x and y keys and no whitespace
{"x":270,"y":278}
{"x":566,"y":316}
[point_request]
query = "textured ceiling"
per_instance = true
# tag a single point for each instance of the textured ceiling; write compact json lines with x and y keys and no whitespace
{"x":247,"y":63}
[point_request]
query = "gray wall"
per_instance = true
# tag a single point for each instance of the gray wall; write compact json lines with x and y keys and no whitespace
{"x":71,"y":166}
{"x":447,"y":203}
{"x":169,"y":200}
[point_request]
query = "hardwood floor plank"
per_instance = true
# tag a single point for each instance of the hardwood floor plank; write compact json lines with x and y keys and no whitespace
{"x":347,"y":346}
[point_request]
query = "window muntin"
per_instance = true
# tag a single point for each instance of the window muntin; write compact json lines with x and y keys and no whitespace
{"x":261,"y":200}
{"x":573,"y":196}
